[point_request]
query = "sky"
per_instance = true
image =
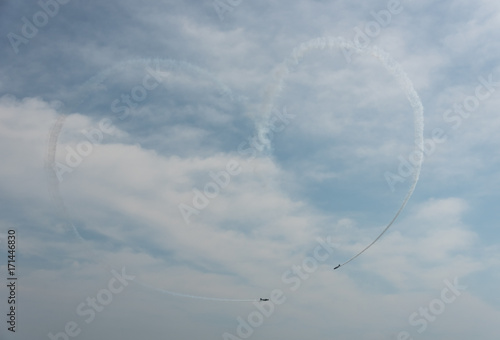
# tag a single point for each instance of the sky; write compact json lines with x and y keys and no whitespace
{"x":167,"y":164}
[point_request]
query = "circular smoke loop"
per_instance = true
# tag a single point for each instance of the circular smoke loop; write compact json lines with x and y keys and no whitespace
{"x":394,"y":68}
{"x":262,"y":124}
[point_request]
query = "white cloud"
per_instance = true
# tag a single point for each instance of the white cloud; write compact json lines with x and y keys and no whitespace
{"x":352,"y":122}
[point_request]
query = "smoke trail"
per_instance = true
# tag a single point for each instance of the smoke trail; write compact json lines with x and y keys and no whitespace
{"x":395,"y":69}
{"x":390,"y":65}
{"x":171,"y":65}
{"x":85,"y":92}
{"x":50,"y":170}
{"x":168,"y":292}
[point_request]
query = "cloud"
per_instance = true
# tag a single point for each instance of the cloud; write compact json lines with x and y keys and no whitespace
{"x":323,"y":177}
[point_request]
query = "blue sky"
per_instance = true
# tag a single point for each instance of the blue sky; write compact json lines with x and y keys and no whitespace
{"x":131,"y":147}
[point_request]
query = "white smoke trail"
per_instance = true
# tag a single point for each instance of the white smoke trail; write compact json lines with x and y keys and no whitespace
{"x":85,"y":92}
{"x":171,"y":65}
{"x":53,"y":181}
{"x":418,"y":110}
{"x":389,"y":64}
{"x":189,"y":296}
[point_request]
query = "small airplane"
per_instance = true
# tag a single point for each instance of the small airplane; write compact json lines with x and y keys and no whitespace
{"x":336,"y":267}
{"x":261,"y":299}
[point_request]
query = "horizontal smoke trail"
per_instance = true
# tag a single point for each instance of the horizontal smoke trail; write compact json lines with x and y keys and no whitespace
{"x":168,"y":292}
{"x":389,"y":64}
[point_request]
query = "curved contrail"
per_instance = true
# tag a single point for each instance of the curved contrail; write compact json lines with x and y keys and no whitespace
{"x":52,"y":179}
{"x":390,"y":65}
{"x":85,"y":92}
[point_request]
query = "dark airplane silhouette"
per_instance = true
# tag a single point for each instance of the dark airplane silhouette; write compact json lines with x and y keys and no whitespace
{"x":336,"y":267}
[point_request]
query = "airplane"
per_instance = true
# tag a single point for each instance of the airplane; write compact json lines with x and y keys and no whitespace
{"x":336,"y":267}
{"x":261,"y":299}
